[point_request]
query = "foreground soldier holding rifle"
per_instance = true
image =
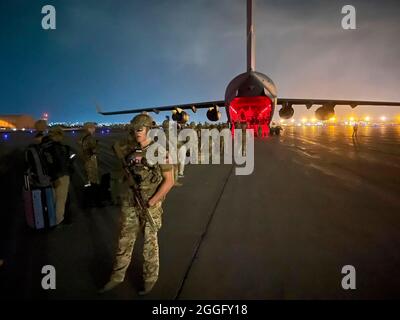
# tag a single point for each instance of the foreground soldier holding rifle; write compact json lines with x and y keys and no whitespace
{"x":145,"y":187}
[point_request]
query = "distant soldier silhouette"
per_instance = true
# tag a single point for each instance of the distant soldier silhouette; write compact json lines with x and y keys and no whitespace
{"x":167,"y":126}
{"x":89,"y":154}
{"x":355,"y":129}
{"x":182,"y":150}
{"x":259,"y":129}
{"x":243,"y":147}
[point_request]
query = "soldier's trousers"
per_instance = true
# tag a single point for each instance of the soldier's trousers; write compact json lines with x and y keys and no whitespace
{"x":132,"y":224}
{"x":92,"y":171}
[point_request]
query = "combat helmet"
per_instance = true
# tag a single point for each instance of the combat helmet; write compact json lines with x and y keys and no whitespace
{"x":141,"y":120}
{"x":41,"y":125}
{"x":56,"y":133}
{"x":88,"y":125}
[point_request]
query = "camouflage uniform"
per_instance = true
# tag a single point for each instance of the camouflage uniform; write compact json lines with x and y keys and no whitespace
{"x":149,"y":177}
{"x":61,"y":184}
{"x":89,"y":150}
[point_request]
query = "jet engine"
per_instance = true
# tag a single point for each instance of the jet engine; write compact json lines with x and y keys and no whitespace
{"x":324,"y":113}
{"x":213,"y":114}
{"x":180,"y":116}
{"x":286,"y":112}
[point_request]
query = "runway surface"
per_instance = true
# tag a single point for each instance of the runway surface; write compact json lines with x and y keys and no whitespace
{"x":318,"y":200}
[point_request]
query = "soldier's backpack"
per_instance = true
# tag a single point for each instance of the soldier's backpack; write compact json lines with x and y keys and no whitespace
{"x":55,"y":158}
{"x":35,"y":171}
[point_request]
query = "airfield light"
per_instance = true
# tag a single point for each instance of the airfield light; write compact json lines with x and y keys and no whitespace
{"x":14,"y":129}
{"x":383,"y":118}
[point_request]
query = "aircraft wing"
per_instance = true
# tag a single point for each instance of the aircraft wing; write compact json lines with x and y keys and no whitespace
{"x":191,"y":106}
{"x":352,"y":103}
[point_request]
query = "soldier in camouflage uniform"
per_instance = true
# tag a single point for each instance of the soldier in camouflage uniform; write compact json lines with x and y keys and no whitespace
{"x":154,"y":182}
{"x":89,"y":154}
{"x":41,"y":128}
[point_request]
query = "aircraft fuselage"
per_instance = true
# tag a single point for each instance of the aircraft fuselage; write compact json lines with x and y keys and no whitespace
{"x":250,"y":98}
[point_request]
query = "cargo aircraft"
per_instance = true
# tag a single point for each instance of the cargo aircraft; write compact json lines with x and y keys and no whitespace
{"x":251,"y":97}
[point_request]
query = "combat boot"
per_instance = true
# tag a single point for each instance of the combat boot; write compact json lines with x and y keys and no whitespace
{"x":148,"y":286}
{"x":109,"y":286}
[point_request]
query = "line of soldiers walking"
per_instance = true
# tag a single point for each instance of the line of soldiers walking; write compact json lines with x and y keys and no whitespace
{"x":150,"y":182}
{"x":143,"y":188}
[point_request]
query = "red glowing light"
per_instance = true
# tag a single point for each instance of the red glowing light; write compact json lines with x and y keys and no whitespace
{"x":256,"y":112}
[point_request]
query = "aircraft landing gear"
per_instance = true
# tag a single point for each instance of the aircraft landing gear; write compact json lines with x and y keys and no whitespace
{"x":275,"y":131}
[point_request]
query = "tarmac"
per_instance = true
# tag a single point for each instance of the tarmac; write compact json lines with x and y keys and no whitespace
{"x":317,"y":200}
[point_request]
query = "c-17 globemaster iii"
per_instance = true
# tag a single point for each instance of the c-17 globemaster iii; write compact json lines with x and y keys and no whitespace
{"x":251,"y":97}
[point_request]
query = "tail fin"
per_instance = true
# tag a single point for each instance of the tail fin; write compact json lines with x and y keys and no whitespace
{"x":251,"y":38}
{"x":98,"y":108}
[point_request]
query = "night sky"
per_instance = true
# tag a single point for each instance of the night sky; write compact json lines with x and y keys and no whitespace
{"x":127,"y":54}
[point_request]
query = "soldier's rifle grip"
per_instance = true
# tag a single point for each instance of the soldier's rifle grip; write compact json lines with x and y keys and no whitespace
{"x":132,"y":184}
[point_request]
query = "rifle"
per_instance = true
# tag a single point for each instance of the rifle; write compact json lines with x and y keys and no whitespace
{"x":134,"y":187}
